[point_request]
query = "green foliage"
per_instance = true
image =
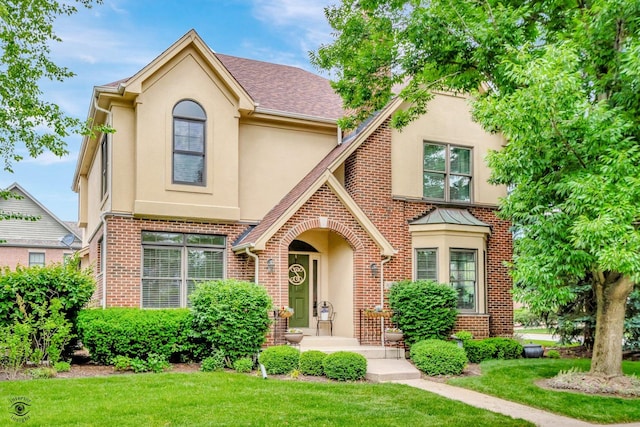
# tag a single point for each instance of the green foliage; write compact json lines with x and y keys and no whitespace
{"x":133,"y":332}
{"x":62,"y":366}
{"x":437,"y":357}
{"x":464,"y":335}
{"x":39,"y":285}
{"x":632,"y":322}
{"x":506,"y":348}
{"x":157,"y":363}
{"x":212,"y":363}
{"x":492,"y":348}
{"x":559,"y":81}
{"x":345,"y":366}
{"x":232,"y":316}
{"x":553,"y":354}
{"x":280,"y":359}
{"x":42,"y":373}
{"x":477,"y":351}
{"x":15,"y":347}
{"x":243,"y":365}
{"x":121,"y":363}
{"x":26,"y":39}
{"x":138,"y":365}
{"x":423,"y":309}
{"x":311,"y":363}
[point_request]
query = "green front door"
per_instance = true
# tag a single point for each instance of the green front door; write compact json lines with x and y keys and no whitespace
{"x":299,"y":290}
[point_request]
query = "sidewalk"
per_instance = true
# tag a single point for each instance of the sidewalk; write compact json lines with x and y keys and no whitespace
{"x":501,"y":406}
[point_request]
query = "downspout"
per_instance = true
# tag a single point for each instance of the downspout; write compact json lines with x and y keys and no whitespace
{"x":103,"y":253}
{"x":339,"y":136}
{"x":384,"y":261}
{"x":257,"y":263}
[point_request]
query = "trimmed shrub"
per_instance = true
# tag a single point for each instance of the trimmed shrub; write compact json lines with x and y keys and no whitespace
{"x":232,"y":316}
{"x":243,"y":365}
{"x":133,"y":332}
{"x":280,"y":359}
{"x":62,"y":366}
{"x":311,"y":363}
{"x":345,"y":366}
{"x":477,"y":351}
{"x":553,"y":354}
{"x":506,"y":348}
{"x":38,"y":285}
{"x":423,"y":309}
{"x":437,"y":357}
{"x":464,"y":335}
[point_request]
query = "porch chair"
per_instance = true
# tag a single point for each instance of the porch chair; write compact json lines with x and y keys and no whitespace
{"x":325,"y":315}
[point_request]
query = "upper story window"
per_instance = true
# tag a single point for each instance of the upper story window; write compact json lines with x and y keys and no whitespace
{"x":104,"y":164}
{"x":189,"y":120}
{"x":447,"y":172}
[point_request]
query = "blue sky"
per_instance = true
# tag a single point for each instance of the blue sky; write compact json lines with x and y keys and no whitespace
{"x":116,"y":39}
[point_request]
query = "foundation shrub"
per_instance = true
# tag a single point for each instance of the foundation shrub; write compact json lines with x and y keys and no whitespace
{"x":423,"y":309}
{"x":437,"y":357}
{"x":506,"y":348}
{"x":232,"y":316}
{"x":214,"y":362}
{"x":37,"y":286}
{"x":345,"y":366}
{"x":477,"y":351}
{"x":134,"y":333}
{"x":280,"y":359}
{"x":311,"y":363}
{"x":243,"y":365}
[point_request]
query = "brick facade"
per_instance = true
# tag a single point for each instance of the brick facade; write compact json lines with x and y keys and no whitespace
{"x":368,"y":181}
{"x":368,"y":178}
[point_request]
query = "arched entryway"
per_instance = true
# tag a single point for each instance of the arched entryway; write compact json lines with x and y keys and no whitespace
{"x":321,"y":268}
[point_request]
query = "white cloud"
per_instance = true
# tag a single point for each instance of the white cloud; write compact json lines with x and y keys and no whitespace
{"x":47,"y":158}
{"x":301,"y":20}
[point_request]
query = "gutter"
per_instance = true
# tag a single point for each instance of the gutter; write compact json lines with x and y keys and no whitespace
{"x":287,"y":114}
{"x":257,"y":263}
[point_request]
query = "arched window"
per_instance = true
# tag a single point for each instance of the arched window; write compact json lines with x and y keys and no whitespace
{"x":189,"y":120}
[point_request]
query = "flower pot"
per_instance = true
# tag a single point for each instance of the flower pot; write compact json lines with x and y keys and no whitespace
{"x":293,"y":338}
{"x":532,"y":351}
{"x":393,"y":336}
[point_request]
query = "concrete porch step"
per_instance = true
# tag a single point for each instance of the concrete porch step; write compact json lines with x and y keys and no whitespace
{"x":333,"y":344}
{"x":381,"y":370}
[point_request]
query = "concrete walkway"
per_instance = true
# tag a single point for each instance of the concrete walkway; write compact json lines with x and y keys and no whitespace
{"x":501,"y":406}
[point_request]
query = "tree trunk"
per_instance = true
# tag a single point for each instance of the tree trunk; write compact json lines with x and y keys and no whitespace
{"x":611,"y":298}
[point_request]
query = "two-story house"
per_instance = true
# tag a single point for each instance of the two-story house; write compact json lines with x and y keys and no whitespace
{"x":34,"y":243}
{"x":224,"y":167}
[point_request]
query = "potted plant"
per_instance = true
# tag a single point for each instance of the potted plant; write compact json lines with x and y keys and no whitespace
{"x":285,"y":311}
{"x":293,"y":335}
{"x":393,"y":334}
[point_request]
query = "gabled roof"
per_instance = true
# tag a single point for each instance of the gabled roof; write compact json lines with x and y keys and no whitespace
{"x":274,"y":88}
{"x":320,"y":174}
{"x":449,"y":216}
{"x":47,"y":231}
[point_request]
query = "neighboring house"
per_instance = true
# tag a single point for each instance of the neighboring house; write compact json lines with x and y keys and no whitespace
{"x":40,"y":242}
{"x":224,"y":167}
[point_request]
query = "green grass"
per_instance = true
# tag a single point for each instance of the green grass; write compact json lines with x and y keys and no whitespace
{"x":515,"y":380}
{"x":226,"y":399}
{"x":533,"y":331}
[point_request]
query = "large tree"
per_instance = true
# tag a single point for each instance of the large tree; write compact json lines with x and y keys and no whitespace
{"x":26,"y":118}
{"x":560,"y":80}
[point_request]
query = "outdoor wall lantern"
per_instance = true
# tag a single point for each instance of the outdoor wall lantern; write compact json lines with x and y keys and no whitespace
{"x":374,"y":269}
{"x":271,"y":265}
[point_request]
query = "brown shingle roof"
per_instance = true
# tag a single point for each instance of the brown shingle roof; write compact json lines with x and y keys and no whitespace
{"x":285,"y":88}
{"x":281,"y":88}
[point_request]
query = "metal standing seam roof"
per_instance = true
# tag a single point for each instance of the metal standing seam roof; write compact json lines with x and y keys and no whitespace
{"x":449,"y":216}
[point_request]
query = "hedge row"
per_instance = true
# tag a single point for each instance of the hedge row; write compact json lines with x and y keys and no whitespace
{"x":340,"y":366}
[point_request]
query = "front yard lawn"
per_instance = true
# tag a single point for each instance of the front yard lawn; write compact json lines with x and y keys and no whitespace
{"x":515,"y":380}
{"x":198,"y":399}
